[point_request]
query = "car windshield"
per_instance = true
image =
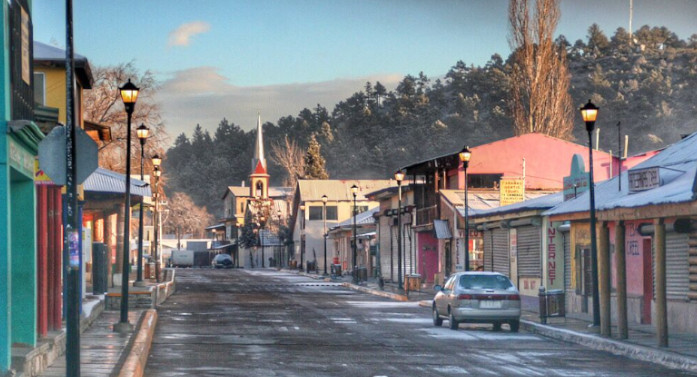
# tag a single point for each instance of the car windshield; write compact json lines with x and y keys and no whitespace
{"x":485,"y":282}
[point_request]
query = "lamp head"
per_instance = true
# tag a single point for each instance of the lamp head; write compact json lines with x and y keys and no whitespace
{"x":465,"y":155}
{"x":129,"y":95}
{"x":589,"y":112}
{"x":156,"y":161}
{"x":354,"y":190}
{"x":399,"y":176}
{"x":142,"y":131}
{"x":324,"y":199}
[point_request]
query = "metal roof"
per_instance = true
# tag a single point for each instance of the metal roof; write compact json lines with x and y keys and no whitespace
{"x":442,"y":229}
{"x":274,"y":192}
{"x":107,"y":181}
{"x":678,"y":165}
{"x":56,"y":56}
{"x":363,"y":218}
{"x":340,"y":189}
{"x":539,"y":203}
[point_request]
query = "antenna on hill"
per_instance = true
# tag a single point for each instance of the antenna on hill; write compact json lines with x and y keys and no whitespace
{"x":631,"y":12}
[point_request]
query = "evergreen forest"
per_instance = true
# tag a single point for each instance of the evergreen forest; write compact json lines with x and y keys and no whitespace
{"x":646,"y":81}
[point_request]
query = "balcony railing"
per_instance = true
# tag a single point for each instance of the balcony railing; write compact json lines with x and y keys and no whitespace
{"x":425,"y":216}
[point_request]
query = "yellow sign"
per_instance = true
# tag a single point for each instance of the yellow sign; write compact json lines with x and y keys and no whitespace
{"x":512,"y":191}
{"x":40,"y":178}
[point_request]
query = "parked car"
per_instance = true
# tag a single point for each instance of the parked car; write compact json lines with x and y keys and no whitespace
{"x":477,"y":297}
{"x":222,"y":261}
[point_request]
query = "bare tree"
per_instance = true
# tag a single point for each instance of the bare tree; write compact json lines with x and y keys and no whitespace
{"x":291,"y":157}
{"x":540,"y":100}
{"x":103,"y":105}
{"x":185,"y":217}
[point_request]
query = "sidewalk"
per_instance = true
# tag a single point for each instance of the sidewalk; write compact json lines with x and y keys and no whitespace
{"x":641,"y":344}
{"x":105,"y":353}
{"x":101,"y":349}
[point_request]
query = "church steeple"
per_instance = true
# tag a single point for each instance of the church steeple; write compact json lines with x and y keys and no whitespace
{"x":259,"y":147}
{"x":259,"y":177}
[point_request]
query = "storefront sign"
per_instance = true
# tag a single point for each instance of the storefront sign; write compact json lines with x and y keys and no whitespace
{"x":26,"y":71}
{"x":644,"y":179}
{"x":21,"y":159}
{"x":529,"y":286}
{"x":512,"y":191}
{"x":555,"y":258}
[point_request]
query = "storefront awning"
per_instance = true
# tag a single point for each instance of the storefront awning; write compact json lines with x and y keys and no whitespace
{"x":442,"y":229}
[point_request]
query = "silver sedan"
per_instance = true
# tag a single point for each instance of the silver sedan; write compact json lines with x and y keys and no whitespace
{"x":477,"y":297}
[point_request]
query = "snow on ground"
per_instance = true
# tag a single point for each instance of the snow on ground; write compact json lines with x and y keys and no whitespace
{"x":386,"y":304}
{"x":474,"y":335}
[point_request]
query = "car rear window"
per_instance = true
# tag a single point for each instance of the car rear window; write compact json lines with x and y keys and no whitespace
{"x":485,"y":282}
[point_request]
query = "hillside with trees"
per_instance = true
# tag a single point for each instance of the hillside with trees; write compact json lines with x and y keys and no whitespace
{"x":645,"y":80}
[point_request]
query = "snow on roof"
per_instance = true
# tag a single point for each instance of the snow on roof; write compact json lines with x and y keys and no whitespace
{"x":678,"y":168}
{"x":339,"y":189}
{"x":363,"y":218}
{"x":537,"y":203}
{"x":107,"y":181}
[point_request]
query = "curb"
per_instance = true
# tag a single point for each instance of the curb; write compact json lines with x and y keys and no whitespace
{"x":134,"y":365}
{"x":632,"y":351}
{"x":393,"y":296}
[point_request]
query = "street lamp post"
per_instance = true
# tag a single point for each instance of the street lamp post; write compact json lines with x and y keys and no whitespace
{"x":302,"y":236}
{"x":465,"y":155}
{"x":142,"y":132}
{"x":354,"y":191}
{"x":129,"y":96}
{"x":156,"y":161}
{"x":589,"y":112}
{"x":399,"y":177}
{"x":324,"y":216}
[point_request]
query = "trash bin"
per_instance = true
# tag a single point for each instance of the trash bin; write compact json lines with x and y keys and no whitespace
{"x":311,"y":266}
{"x":362,"y":273}
{"x":552,"y":304}
{"x":336,"y":269}
{"x":100,"y":265}
{"x":412,"y":282}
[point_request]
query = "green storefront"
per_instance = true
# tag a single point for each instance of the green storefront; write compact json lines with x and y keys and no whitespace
{"x":18,"y":238}
{"x":18,"y":149}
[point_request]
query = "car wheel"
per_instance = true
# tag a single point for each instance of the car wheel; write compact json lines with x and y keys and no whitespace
{"x":497,"y":326}
{"x":453,"y":322}
{"x":515,"y":325}
{"x":437,"y":320}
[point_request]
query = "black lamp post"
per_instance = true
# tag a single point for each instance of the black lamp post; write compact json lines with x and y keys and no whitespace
{"x":302,"y":236}
{"x":399,"y":177}
{"x":142,"y":132}
{"x":129,"y":95}
{"x":465,"y":155}
{"x":324,"y":216}
{"x":589,"y":112}
{"x":156,"y":162}
{"x":354,"y":191}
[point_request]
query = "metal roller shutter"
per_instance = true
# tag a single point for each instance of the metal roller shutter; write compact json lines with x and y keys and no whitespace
{"x":488,"y":250}
{"x":567,"y":261}
{"x":677,"y":266}
{"x":529,"y":251}
{"x":501,"y":252}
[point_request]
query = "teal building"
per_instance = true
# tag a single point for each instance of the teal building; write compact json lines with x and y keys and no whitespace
{"x":18,"y":149}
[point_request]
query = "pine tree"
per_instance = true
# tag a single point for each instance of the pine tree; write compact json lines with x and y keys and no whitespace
{"x":314,"y":162}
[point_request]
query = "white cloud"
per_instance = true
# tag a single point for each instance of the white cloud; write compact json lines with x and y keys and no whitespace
{"x":203,"y":96}
{"x":182,"y":35}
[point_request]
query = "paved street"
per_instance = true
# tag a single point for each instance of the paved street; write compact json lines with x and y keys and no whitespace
{"x":269,"y":323}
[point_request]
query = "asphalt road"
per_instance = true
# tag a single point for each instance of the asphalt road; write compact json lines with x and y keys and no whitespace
{"x":269,"y":323}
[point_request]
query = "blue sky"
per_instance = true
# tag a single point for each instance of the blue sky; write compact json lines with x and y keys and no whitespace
{"x":232,"y":58}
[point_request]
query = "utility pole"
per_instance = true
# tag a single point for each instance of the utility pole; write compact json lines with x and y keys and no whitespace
{"x":71,"y":235}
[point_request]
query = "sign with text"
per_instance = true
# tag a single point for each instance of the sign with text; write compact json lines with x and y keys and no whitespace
{"x":577,"y":180}
{"x":512,"y":191}
{"x":644,"y":179}
{"x":555,"y":258}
